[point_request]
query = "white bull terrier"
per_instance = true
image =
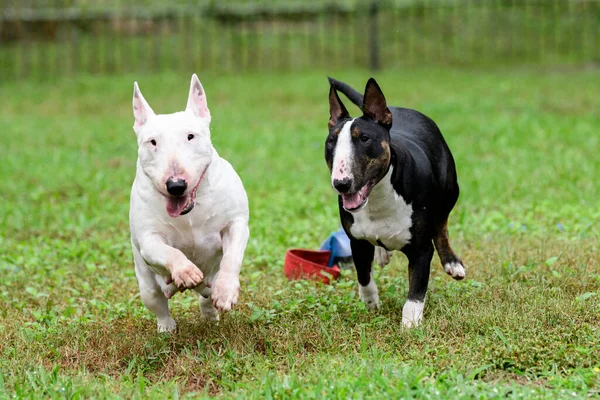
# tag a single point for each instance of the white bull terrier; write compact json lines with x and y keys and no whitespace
{"x":189,"y":211}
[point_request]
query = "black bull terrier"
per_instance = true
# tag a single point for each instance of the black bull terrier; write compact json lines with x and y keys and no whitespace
{"x":397,"y":184}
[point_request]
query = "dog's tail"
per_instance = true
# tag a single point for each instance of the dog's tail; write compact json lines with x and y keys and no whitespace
{"x":350,"y":93}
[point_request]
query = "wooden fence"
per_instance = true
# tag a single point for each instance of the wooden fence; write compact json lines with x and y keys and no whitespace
{"x":49,"y":38}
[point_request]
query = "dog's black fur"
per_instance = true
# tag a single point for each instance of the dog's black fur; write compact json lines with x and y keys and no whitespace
{"x":424,"y":175}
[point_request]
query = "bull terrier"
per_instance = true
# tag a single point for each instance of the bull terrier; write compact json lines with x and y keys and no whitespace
{"x":188,"y":211}
{"x":396,"y":181}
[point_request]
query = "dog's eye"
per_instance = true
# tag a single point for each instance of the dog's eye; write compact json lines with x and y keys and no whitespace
{"x":330,"y":140}
{"x":190,"y":136}
{"x":364,"y":138}
{"x":153,"y":142}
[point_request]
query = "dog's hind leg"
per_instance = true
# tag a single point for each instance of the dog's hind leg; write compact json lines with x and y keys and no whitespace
{"x":363,"y":253}
{"x":382,"y":256}
{"x":452,"y":264}
{"x":208,"y":311}
{"x":156,"y":302}
{"x":152,"y":294}
{"x":204,"y":292}
{"x":167,"y":286}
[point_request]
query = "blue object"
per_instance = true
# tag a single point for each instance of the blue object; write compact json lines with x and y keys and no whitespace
{"x":339,"y":245}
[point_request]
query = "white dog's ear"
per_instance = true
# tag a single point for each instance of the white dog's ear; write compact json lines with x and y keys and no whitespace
{"x":196,"y":103}
{"x":141,"y":109}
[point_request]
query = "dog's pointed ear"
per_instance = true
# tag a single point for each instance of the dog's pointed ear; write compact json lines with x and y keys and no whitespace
{"x":196,"y":103}
{"x":337,"y":110}
{"x":141,"y":109}
{"x":374,"y":104}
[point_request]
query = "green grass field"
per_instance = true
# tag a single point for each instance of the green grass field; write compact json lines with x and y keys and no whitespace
{"x":524,"y":324}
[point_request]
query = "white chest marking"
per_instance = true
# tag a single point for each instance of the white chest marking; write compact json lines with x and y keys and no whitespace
{"x":386,"y":217}
{"x":343,"y":155}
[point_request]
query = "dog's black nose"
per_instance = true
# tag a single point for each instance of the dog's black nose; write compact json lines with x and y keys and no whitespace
{"x":342,"y":185}
{"x":176,"y":188}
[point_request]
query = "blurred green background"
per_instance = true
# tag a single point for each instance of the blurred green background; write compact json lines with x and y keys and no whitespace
{"x":47,"y":38}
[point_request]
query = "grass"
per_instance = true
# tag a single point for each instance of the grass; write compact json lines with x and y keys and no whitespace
{"x":525,"y":324}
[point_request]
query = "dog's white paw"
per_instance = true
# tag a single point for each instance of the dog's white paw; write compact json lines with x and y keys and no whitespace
{"x":369,"y":295}
{"x":187,"y":276}
{"x":225,"y":292}
{"x":455,"y":270}
{"x":211,"y":315}
{"x":166,"y":325}
{"x":412,"y":313}
{"x":382,"y":256}
{"x":207,"y":310}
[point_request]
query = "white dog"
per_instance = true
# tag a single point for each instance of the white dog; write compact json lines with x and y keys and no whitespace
{"x":189,"y":211}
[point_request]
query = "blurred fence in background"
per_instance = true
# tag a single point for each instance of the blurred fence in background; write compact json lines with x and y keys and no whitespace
{"x":48,"y":38}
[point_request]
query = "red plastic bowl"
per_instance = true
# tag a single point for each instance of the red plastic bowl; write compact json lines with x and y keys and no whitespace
{"x":300,"y":263}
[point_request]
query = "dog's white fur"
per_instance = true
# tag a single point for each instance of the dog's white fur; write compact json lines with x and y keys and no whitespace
{"x":201,"y":250}
{"x":369,"y":294}
{"x":412,"y":313}
{"x":343,"y":156}
{"x":455,"y":270}
{"x":382,"y":256}
{"x":385,"y":217}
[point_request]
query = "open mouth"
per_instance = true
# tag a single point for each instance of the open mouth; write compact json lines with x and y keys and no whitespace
{"x":182,"y":205}
{"x":355,"y":201}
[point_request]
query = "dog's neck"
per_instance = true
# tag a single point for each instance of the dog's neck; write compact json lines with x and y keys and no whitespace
{"x":383,"y":193}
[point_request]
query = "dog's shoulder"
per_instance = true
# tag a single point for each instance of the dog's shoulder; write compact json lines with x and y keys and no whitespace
{"x":421,"y":155}
{"x":226,"y":191}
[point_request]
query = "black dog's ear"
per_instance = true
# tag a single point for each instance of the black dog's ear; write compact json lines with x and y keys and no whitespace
{"x":374,"y":105}
{"x":337,"y":110}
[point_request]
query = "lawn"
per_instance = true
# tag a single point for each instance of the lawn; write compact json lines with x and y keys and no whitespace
{"x":524,"y":324}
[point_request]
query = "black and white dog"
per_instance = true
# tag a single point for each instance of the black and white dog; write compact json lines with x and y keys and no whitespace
{"x":396,"y":181}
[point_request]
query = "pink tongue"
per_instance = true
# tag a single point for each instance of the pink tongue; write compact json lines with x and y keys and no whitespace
{"x":351,"y":201}
{"x":175,"y":205}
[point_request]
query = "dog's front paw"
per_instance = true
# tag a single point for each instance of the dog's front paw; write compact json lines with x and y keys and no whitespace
{"x":187,"y":276}
{"x":412,"y":313}
{"x":225,"y":292}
